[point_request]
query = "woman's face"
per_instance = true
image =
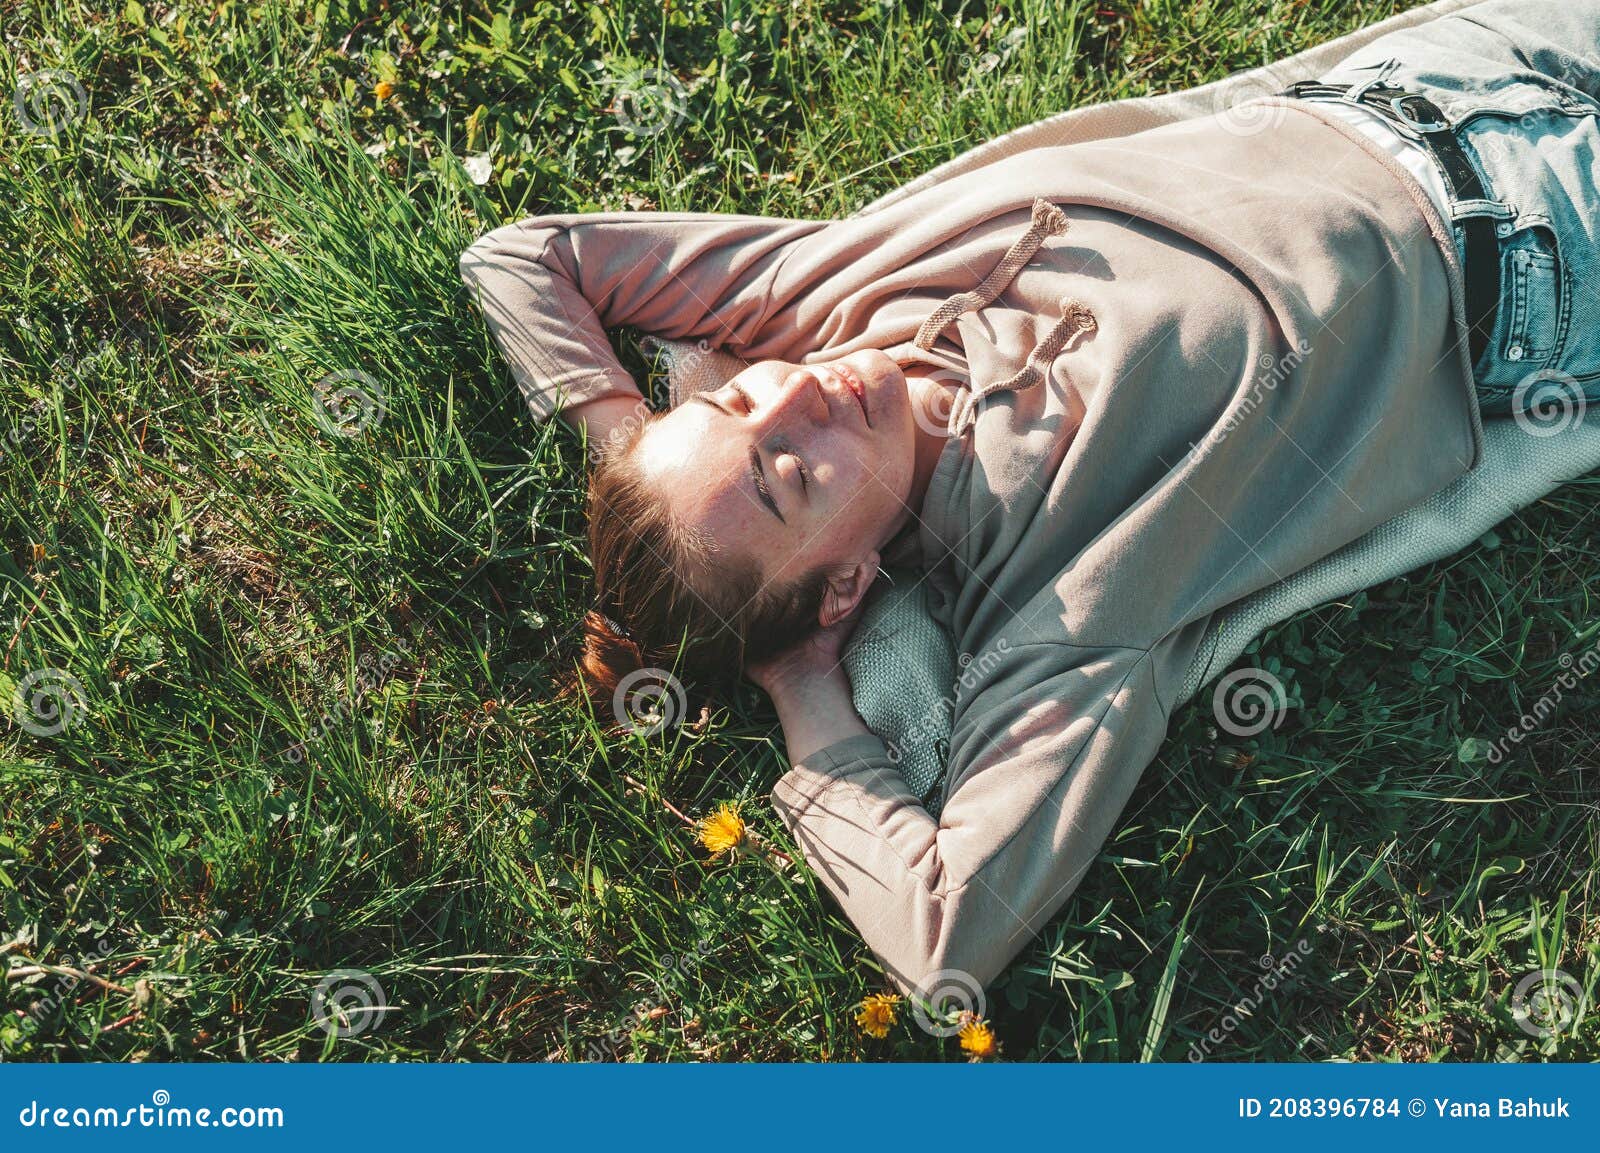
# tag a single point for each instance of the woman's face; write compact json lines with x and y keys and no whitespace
{"x":790,"y":466}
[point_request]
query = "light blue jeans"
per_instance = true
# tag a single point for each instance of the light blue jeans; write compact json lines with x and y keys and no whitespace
{"x":1519,"y":81}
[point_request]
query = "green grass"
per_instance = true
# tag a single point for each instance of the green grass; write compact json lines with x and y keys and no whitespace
{"x":317,"y":727}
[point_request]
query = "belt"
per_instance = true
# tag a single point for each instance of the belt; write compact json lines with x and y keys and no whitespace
{"x":1481,"y":264}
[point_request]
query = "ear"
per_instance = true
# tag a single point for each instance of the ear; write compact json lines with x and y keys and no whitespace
{"x":846,"y":588}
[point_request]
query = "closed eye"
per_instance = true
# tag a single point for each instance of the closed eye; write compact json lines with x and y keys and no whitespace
{"x":782,"y":448}
{"x":745,"y":404}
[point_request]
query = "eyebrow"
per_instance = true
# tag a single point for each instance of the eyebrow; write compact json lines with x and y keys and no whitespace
{"x":757,"y":473}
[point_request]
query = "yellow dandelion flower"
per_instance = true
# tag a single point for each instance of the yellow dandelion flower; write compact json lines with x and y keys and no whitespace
{"x":722,"y":831}
{"x":978,"y":1039}
{"x":877,"y":1013}
{"x":383,"y":89}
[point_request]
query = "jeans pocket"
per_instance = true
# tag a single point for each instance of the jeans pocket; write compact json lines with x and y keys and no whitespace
{"x":1531,"y":321}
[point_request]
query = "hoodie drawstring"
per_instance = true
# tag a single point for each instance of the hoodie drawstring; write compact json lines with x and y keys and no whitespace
{"x":1047,"y":220}
{"x":1075,"y":318}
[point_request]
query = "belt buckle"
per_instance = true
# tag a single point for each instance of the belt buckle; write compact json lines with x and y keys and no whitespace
{"x":1435,"y":124}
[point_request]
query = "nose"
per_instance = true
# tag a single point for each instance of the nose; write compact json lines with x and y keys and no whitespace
{"x":800,"y":397}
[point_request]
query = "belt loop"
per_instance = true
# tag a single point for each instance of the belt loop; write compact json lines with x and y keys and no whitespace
{"x":1357,"y":91}
{"x":1496,"y":210}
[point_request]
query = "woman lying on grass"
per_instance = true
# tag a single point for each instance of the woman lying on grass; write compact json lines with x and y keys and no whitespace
{"x":1096,"y":393}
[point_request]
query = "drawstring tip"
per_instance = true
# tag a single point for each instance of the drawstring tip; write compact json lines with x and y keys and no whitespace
{"x":1049,"y":217}
{"x":1077,"y":314}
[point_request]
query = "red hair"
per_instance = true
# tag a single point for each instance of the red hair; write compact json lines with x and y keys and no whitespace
{"x":666,"y":599}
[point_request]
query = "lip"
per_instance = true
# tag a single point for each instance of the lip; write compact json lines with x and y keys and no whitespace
{"x":857,"y":389}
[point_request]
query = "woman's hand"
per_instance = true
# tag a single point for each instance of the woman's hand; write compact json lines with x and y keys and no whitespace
{"x":809,"y":688}
{"x":820,"y":655}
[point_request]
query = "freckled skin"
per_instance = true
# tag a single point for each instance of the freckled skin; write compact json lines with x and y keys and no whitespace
{"x":844,"y":474}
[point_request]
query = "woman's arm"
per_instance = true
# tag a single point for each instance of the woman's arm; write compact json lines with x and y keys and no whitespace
{"x":550,"y":286}
{"x":1046,"y":749}
{"x":605,"y":418}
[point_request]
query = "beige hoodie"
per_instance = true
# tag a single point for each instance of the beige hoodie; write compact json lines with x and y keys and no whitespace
{"x":1197,"y":361}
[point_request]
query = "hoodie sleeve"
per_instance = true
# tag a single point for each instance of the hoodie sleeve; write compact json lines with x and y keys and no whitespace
{"x":1045,"y":751}
{"x":549,"y":287}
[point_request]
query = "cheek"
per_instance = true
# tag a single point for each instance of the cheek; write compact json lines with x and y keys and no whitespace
{"x":892,"y":465}
{"x":873,"y":498}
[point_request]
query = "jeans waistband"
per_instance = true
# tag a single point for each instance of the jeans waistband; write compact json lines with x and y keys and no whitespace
{"x":1418,"y":118}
